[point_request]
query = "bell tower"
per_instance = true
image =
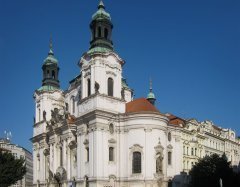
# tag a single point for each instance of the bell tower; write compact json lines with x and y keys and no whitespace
{"x":50,"y":69}
{"x":101,"y":67}
{"x":101,"y":27}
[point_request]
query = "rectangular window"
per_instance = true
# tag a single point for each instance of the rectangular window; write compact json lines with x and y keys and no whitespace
{"x":136,"y":162}
{"x":169,"y":158}
{"x":87,"y":151}
{"x":111,"y":154}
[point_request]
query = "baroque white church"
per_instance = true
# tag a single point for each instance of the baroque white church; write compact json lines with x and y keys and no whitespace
{"x":95,"y":134}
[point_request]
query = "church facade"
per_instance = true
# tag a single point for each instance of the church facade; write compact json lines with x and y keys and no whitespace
{"x":95,"y":134}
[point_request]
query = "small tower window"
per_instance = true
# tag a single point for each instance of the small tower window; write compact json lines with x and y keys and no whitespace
{"x":48,"y":74}
{"x":169,"y":136}
{"x":61,"y":156}
{"x":99,"y":32}
{"x":136,"y":162}
{"x":39,"y":114}
{"x":73,"y":105}
{"x":110,"y":87}
{"x":67,"y":106}
{"x":106,"y":33}
{"x":88,"y":87}
{"x":111,"y":154}
{"x":169,"y":158}
{"x":87,"y":152}
{"x":53,"y":74}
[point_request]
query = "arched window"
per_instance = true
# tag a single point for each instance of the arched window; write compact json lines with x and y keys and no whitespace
{"x":87,"y":152}
{"x":111,"y":154}
{"x":136,"y":162}
{"x":169,"y":158}
{"x":99,"y":32}
{"x":48,"y":74}
{"x":110,"y":87}
{"x":88,"y":87}
{"x":53,"y":74}
{"x":169,"y":136}
{"x":192,"y":151}
{"x":38,"y":161}
{"x":61,"y":156}
{"x":73,"y":105}
{"x":39,"y":114}
{"x":106,"y":33}
{"x":66,"y":106}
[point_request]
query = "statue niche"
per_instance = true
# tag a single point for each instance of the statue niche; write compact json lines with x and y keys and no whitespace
{"x":159,"y":163}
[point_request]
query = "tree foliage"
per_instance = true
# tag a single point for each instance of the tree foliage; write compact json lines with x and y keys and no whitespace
{"x":209,"y":170}
{"x":11,"y":169}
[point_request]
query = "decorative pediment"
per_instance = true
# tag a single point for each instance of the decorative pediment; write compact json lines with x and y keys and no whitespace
{"x":86,"y":142}
{"x":111,"y":73}
{"x":170,"y":146}
{"x":112,"y":141}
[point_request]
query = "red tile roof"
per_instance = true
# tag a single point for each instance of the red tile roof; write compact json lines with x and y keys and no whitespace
{"x":174,"y":120}
{"x":140,"y":105}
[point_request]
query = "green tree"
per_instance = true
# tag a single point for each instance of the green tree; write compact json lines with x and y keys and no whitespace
{"x":209,"y":170}
{"x":11,"y":169}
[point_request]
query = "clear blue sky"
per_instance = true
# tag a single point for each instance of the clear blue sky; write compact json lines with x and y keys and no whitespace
{"x":191,"y":49}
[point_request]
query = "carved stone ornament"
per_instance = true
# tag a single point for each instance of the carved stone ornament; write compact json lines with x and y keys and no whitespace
{"x":86,"y":142}
{"x":72,"y":145}
{"x":60,"y":174}
{"x":96,"y":86}
{"x":46,"y":152}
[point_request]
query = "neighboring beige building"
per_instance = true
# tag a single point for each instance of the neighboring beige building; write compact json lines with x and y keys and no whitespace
{"x":204,"y":138}
{"x":20,"y":152}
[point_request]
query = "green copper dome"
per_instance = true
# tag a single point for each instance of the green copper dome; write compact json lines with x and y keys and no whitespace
{"x":151,"y":95}
{"x":101,"y":13}
{"x":47,"y":88}
{"x":50,"y":58}
{"x":98,"y":50}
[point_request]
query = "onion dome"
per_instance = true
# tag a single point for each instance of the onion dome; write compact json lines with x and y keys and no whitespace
{"x":101,"y":14}
{"x":151,"y":96}
{"x":50,"y":58}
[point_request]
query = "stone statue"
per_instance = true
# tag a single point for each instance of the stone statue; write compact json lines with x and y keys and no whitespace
{"x":159,"y":164}
{"x":96,"y":86}
{"x":56,"y":117}
{"x":44,"y":115}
